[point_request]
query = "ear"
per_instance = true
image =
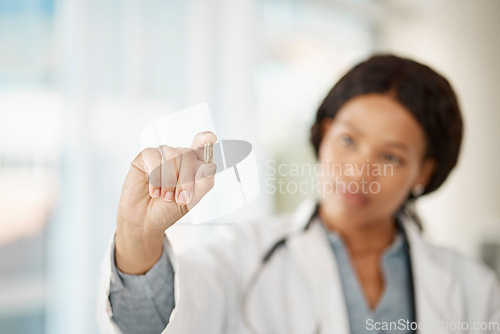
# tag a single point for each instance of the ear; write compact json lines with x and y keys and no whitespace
{"x":429,"y":166}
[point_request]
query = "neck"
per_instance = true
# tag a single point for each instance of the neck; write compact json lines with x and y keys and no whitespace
{"x":362,"y":238}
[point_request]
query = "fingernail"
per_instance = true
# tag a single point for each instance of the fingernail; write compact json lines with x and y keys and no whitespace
{"x":184,"y":196}
{"x":169,"y":196}
{"x":156,"y":193}
{"x":209,"y":172}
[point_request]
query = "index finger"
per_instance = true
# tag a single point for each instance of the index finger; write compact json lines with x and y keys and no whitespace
{"x":199,"y":142}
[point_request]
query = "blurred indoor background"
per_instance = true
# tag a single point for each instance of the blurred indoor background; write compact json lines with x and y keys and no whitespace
{"x":79,"y":79}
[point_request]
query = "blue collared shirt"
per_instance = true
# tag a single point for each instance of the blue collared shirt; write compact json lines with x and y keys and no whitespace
{"x":395,"y":308}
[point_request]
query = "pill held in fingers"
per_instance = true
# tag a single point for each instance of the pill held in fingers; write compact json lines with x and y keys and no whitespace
{"x":208,"y":152}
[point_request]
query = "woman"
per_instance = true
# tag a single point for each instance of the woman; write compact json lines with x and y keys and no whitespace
{"x":352,"y":262}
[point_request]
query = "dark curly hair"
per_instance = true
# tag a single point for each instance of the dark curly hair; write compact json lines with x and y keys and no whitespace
{"x":425,"y":93}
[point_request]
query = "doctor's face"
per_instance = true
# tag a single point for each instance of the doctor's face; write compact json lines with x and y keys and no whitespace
{"x":372,"y":154}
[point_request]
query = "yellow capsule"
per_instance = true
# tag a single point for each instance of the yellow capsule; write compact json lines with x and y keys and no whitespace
{"x":208,"y":152}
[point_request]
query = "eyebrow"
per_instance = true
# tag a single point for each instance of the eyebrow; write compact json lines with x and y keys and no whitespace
{"x":395,"y":144}
{"x":352,"y":126}
{"x":398,"y":145}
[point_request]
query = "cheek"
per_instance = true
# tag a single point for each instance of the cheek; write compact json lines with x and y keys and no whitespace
{"x":395,"y":188}
{"x":329,"y":157}
{"x":324,"y":150}
{"x":330,"y":152}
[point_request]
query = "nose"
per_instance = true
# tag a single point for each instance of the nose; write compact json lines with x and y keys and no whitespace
{"x":360,"y":167}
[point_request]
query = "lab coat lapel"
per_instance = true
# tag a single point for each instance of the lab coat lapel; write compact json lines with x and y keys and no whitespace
{"x":437,"y":293}
{"x":313,"y":255}
{"x":438,"y":296}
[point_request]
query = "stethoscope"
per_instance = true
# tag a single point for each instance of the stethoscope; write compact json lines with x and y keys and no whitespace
{"x":264,"y":261}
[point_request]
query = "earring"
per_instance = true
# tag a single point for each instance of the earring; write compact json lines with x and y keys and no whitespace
{"x":418,"y":190}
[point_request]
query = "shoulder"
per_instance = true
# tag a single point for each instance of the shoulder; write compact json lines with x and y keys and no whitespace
{"x":444,"y":257}
{"x":478,"y":283}
{"x":472,"y":275}
{"x":268,"y":230}
{"x":235,"y":239}
{"x":466,"y":267}
{"x":258,"y":235}
{"x":249,"y":240}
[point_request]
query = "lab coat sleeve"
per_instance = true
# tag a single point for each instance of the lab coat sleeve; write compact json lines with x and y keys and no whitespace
{"x":142,"y":303}
{"x":494,"y":304}
{"x":482,"y":296}
{"x":150,"y":296}
{"x":208,"y":283}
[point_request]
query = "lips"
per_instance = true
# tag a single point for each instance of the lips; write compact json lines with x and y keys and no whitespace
{"x":356,"y":199}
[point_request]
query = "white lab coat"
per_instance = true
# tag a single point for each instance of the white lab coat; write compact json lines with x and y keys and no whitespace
{"x":299,"y":289}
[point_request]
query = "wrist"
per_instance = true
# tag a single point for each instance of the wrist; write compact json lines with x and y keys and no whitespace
{"x":137,"y":249}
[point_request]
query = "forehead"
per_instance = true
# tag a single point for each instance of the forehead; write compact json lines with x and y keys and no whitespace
{"x":381,"y":117}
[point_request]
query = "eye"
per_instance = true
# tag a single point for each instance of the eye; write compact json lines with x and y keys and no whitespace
{"x":347,"y":140}
{"x":392,"y":158}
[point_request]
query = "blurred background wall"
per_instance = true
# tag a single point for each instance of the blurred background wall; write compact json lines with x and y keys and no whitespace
{"x":80,"y":79}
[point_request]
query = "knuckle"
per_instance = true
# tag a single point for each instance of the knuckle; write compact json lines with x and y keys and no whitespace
{"x":189,"y":154}
{"x":169,"y":176}
{"x":185,"y":184}
{"x":149,"y":151}
{"x":151,"y":157}
{"x":168,"y":153}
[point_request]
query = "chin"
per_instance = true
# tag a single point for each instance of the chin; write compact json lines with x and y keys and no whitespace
{"x":363,"y":216}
